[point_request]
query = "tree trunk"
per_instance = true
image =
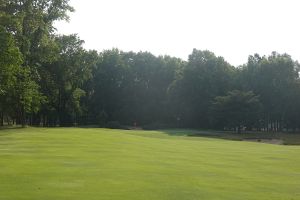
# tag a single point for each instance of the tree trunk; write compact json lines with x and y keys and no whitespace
{"x":23,"y":117}
{"x":1,"y":119}
{"x":8,"y":120}
{"x":239,"y":129}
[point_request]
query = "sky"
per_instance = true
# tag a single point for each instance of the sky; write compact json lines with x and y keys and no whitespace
{"x":233,"y":29}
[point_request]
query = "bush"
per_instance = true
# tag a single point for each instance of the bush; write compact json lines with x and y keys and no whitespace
{"x":114,"y":125}
{"x":102,"y":118}
{"x":155,"y":126}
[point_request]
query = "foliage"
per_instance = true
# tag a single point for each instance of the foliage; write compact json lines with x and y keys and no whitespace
{"x":10,"y":61}
{"x":205,"y":77}
{"x":237,"y":109}
{"x":113,"y":125}
{"x":51,"y":80}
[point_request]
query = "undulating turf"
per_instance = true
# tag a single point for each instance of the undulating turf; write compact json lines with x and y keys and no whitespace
{"x":96,"y":164}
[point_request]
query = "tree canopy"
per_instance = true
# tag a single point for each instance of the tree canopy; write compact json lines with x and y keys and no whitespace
{"x":48,"y":79}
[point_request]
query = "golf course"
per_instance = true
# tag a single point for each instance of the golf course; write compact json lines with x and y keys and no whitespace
{"x":100,"y":164}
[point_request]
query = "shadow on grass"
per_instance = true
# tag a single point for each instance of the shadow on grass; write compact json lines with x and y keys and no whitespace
{"x":11,"y":127}
{"x":7,"y":130}
{"x":263,"y":137}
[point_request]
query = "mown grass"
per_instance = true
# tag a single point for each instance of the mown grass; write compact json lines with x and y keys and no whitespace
{"x":90,"y":164}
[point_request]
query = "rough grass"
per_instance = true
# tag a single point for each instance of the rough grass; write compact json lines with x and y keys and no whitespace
{"x":93,"y":164}
{"x":267,"y":137}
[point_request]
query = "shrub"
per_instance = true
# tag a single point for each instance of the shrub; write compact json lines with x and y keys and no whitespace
{"x":113,"y":125}
{"x":155,"y":126}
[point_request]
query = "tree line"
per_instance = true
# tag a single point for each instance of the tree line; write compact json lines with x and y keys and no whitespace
{"x":48,"y":79}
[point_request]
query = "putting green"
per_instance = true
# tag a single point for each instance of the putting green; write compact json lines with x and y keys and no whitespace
{"x":96,"y":164}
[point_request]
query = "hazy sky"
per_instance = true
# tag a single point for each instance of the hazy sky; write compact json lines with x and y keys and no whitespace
{"x":233,"y":29}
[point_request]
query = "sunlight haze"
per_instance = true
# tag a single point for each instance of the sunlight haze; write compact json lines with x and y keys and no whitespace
{"x":233,"y":29}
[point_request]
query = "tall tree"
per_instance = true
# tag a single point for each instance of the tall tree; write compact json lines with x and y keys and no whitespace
{"x":64,"y":78}
{"x":10,"y":62}
{"x":30,"y":24}
{"x":109,"y":81}
{"x":204,"y":77}
{"x":273,"y":78}
{"x":237,"y":109}
{"x":18,"y":93}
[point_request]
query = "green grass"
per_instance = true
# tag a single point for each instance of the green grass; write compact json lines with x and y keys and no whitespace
{"x":96,"y":164}
{"x":281,"y":137}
